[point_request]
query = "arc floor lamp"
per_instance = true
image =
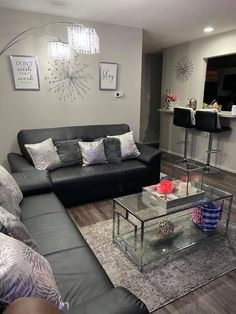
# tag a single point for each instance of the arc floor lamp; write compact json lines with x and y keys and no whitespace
{"x":81,"y":40}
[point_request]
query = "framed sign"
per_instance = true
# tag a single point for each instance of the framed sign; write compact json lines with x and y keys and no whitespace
{"x":25,"y":72}
{"x":108,"y":76}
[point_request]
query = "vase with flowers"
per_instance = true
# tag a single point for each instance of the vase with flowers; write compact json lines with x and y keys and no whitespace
{"x":169,"y":99}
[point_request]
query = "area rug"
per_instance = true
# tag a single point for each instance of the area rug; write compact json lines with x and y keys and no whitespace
{"x":170,"y":278}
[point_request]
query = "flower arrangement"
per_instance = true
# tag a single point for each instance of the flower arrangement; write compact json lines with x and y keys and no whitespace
{"x":168,"y":98}
{"x":165,"y":187}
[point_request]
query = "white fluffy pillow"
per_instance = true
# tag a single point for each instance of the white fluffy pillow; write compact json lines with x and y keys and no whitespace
{"x":16,"y":229}
{"x":9,"y":183}
{"x":127,"y":145}
{"x":25,"y":273}
{"x":44,"y":155}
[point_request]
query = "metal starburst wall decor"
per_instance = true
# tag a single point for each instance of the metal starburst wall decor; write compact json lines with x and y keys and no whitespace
{"x":68,"y":79}
{"x":184,"y":69}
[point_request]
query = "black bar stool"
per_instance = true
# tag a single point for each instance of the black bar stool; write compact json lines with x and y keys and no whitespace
{"x":183,"y":117}
{"x":208,"y":121}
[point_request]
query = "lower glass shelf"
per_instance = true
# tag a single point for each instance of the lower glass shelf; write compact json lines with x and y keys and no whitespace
{"x":155,"y":245}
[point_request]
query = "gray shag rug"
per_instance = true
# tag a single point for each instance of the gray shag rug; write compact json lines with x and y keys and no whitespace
{"x":172,"y":277}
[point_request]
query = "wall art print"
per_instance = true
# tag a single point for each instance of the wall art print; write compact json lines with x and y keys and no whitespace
{"x":25,"y":72}
{"x":68,"y":78}
{"x":184,"y":69}
{"x":108,"y":76}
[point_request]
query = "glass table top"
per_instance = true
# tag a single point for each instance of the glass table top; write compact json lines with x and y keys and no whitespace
{"x":145,"y":206}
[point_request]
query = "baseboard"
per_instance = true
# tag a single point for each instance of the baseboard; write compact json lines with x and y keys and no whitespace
{"x":198,"y":160}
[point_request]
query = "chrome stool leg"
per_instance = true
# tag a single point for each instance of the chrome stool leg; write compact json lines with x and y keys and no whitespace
{"x":185,"y":145}
{"x":209,"y":151}
{"x":208,"y":168}
{"x":185,"y":142}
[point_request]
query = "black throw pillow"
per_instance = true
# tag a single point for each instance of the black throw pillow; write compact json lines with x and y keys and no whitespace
{"x":112,"y":149}
{"x":69,"y":153}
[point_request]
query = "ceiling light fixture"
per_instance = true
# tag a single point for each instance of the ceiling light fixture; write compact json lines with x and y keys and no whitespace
{"x":83,"y":40}
{"x":208,"y":29}
{"x":58,"y":49}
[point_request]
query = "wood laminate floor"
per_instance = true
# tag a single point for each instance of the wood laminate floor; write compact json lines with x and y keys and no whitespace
{"x":217,"y":297}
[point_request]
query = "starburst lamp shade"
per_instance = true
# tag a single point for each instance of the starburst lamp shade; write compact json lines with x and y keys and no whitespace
{"x":59,"y":50}
{"x":83,"y":40}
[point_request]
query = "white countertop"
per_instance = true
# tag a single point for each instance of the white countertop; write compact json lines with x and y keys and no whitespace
{"x":223,"y":114}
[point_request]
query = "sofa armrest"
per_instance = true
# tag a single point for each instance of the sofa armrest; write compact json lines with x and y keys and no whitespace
{"x":116,"y":301}
{"x":150,"y":156}
{"x":33,"y":182}
{"x":18,"y":163}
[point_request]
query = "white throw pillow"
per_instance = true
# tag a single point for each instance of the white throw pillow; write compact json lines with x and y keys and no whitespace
{"x":7,"y":201}
{"x":16,"y":229}
{"x":44,"y":155}
{"x":127,"y":145}
{"x":8,"y":182}
{"x":93,"y":152}
{"x":25,"y":273}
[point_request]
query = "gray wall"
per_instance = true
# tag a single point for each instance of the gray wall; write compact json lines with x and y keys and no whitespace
{"x":38,"y":109}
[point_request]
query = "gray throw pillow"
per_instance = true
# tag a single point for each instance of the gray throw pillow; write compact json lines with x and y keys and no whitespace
{"x":128,"y":146}
{"x":69,"y":153}
{"x":25,"y":273}
{"x":7,"y":181}
{"x":16,"y":229}
{"x":93,"y":152}
{"x":8,"y":202}
{"x":112,"y":150}
{"x":44,"y":155}
{"x":4,"y":231}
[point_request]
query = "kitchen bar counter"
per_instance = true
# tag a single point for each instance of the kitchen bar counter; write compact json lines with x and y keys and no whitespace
{"x":222,"y":114}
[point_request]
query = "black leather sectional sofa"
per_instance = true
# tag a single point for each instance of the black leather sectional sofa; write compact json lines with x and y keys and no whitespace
{"x":77,"y":184}
{"x":78,"y":274}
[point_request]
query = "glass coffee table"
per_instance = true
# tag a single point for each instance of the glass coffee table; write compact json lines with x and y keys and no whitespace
{"x":137,"y":219}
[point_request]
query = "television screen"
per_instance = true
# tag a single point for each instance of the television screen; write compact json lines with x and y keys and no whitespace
{"x":229,"y":82}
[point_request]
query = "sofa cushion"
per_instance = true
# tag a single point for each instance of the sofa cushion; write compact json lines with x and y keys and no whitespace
{"x":41,"y":204}
{"x":79,"y":275}
{"x":69,"y":153}
{"x":49,"y":224}
{"x":133,"y":175}
{"x":75,"y":185}
{"x":16,"y":229}
{"x":44,"y":155}
{"x":25,"y":273}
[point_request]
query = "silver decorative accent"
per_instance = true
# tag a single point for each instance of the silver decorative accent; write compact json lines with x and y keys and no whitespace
{"x":184,"y":69}
{"x":68,"y":78}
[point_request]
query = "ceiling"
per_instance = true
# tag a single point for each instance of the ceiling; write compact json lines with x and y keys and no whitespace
{"x":165,"y":22}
